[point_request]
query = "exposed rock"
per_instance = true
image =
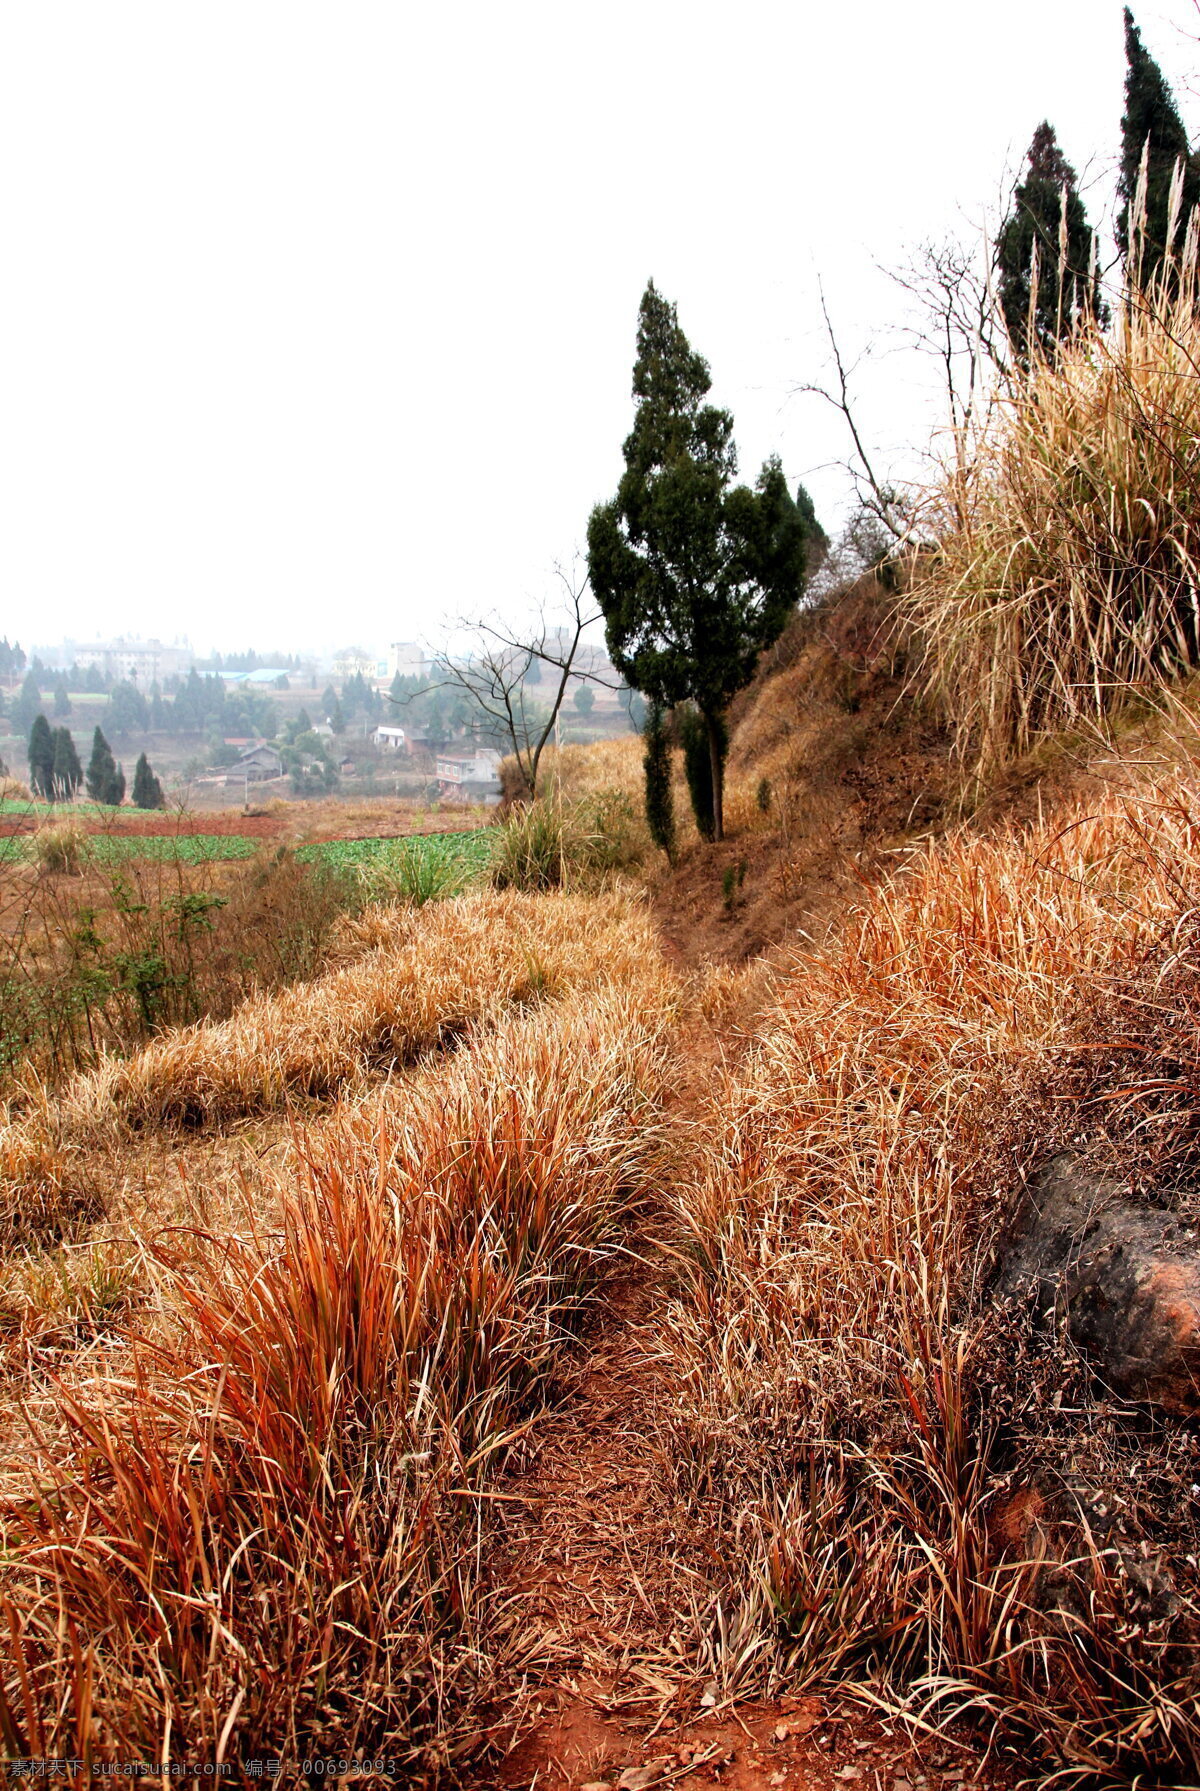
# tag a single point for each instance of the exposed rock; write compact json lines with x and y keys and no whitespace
{"x":1125,"y":1278}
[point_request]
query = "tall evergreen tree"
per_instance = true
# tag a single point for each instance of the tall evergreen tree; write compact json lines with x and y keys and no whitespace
{"x":41,"y":759}
{"x":656,"y":767}
{"x":62,"y":700}
{"x":695,"y":575}
{"x":26,"y":705}
{"x":1048,"y":216}
{"x":147,"y":791}
{"x":128,"y":711}
{"x":67,"y":772}
{"x":1151,"y":126}
{"x":105,"y":779}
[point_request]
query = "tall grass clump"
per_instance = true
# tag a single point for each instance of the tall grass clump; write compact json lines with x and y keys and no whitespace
{"x":1065,"y":575}
{"x":60,"y":848}
{"x":555,"y":843}
{"x":856,"y":1401}
{"x":264,"y":1535}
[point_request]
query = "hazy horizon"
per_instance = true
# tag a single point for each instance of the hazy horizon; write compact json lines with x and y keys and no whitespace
{"x":321,"y":324}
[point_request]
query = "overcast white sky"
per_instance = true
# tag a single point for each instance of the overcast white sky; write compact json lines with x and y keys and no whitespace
{"x":317,"y":321}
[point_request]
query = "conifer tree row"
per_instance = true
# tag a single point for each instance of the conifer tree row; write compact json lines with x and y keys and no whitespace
{"x":67,"y":773}
{"x":656,"y":768}
{"x":41,"y":759}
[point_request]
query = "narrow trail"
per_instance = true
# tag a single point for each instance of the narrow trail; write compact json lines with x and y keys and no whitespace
{"x":612,"y":1571}
{"x":612,"y":1575}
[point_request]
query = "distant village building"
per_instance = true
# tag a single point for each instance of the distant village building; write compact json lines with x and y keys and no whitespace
{"x":407,"y":660}
{"x":471,"y":778}
{"x":354,"y":663}
{"x":266,"y":674}
{"x":389,"y":739}
{"x":142,"y":662}
{"x":259,"y":763}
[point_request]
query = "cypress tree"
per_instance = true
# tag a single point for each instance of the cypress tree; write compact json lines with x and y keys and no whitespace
{"x":698,"y":767}
{"x":656,"y":766}
{"x":62,"y":700}
{"x":695,"y":576}
{"x":105,"y":781}
{"x":1151,"y":125}
{"x":147,"y":791}
{"x":41,"y":759}
{"x":1067,"y":281}
{"x":67,"y":772}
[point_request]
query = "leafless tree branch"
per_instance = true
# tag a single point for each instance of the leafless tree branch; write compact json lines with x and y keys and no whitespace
{"x":493,"y":669}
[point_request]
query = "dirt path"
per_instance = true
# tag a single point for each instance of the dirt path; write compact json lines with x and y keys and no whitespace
{"x":614,"y":1578}
{"x":613,"y":1571}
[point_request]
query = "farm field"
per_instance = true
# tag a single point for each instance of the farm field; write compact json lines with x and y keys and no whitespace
{"x":466,"y":847}
{"x":332,"y":818}
{"x":114,"y":923}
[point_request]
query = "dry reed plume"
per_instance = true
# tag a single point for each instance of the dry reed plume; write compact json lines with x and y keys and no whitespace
{"x":263,"y":1534}
{"x":850,"y":1393}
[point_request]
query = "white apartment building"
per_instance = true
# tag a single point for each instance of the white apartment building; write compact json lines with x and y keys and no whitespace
{"x":408,"y":660}
{"x":142,"y":662}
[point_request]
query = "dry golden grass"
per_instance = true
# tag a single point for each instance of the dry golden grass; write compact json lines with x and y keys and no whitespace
{"x":42,"y":1189}
{"x":608,"y":767}
{"x":262,"y":1530}
{"x":438,"y":970}
{"x":846,"y":1379}
{"x":60,"y":847}
{"x":1065,"y":575}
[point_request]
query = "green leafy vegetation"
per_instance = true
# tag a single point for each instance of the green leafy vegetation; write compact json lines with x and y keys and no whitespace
{"x":145,"y":941}
{"x":414,"y":868}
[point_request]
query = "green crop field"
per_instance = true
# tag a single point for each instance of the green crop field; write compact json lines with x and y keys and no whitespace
{"x":110,"y":848}
{"x":424,"y":864}
{"x":469,"y":849}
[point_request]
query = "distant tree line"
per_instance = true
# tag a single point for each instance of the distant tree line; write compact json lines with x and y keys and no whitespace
{"x":55,"y":771}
